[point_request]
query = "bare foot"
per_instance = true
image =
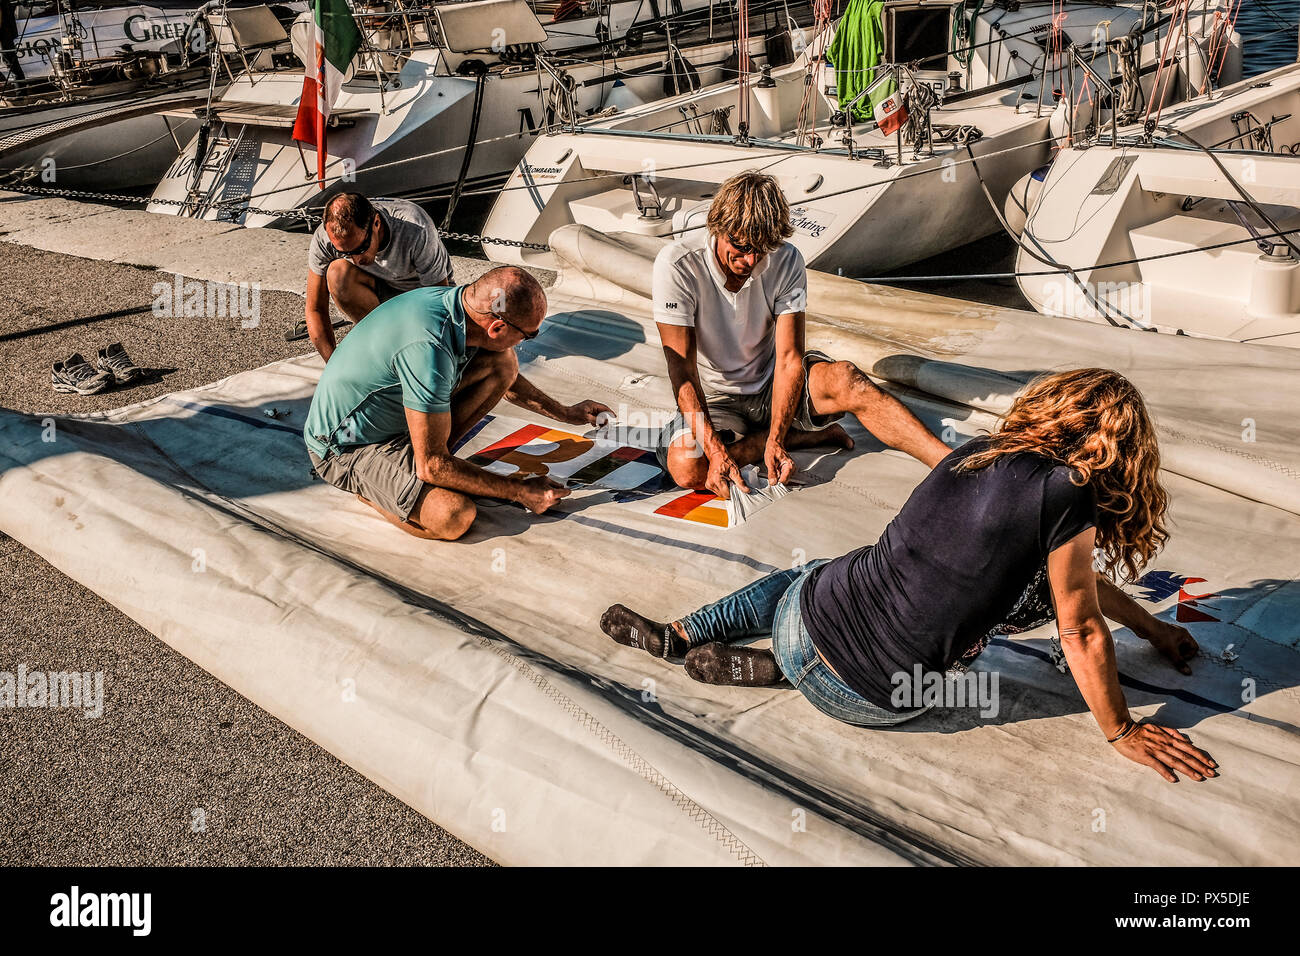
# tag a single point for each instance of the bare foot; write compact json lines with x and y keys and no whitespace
{"x":833,"y":435}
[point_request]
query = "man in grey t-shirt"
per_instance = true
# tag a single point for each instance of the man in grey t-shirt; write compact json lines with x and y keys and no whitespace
{"x":364,"y":253}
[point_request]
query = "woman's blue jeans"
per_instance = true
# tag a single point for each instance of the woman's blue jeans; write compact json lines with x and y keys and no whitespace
{"x":770,"y":606}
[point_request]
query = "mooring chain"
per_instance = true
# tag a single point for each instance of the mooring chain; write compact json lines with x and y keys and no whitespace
{"x":117,"y":197}
{"x":517,"y":243}
{"x":280,"y":213}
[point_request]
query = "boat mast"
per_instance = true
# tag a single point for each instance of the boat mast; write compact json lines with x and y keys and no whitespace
{"x":742,"y":80}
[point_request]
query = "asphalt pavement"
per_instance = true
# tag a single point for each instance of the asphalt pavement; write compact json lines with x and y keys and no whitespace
{"x":179,"y":769}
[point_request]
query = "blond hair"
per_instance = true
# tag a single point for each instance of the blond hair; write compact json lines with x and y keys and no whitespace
{"x":750,"y":208}
{"x":1095,"y":421}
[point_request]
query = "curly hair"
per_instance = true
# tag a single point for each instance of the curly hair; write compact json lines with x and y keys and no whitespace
{"x":751,"y":208}
{"x":1095,"y":421}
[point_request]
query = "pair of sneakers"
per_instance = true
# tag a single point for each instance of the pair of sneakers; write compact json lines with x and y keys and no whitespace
{"x":113,"y":366}
{"x":299,"y":330}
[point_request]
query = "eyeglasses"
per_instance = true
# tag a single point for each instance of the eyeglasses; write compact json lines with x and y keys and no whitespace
{"x":365,"y":243}
{"x":528,"y":336}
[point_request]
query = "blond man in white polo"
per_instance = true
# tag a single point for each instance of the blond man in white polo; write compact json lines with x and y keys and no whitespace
{"x":729,"y":303}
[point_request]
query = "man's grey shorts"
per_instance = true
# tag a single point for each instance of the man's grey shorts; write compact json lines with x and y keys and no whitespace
{"x":383,"y":474}
{"x":743,"y":414}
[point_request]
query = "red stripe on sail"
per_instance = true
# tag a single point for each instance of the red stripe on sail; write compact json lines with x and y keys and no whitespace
{"x":681,"y":507}
{"x":516,"y":438}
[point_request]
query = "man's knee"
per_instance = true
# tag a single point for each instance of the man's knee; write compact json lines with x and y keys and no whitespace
{"x":341,"y":276}
{"x":449,"y":517}
{"x":846,"y":382}
{"x":459,"y":518}
{"x":687,"y":466}
{"x":849,"y":375}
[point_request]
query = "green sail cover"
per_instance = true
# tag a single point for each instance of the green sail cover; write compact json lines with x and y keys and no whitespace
{"x":854,"y":52}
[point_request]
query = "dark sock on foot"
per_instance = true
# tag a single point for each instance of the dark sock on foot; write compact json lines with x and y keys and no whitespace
{"x":632,"y":630}
{"x":739,"y":666}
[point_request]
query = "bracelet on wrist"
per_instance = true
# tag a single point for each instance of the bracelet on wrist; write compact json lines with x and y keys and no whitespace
{"x":1130,"y":725}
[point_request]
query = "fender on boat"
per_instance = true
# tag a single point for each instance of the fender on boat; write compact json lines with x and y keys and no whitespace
{"x":1023,"y":197}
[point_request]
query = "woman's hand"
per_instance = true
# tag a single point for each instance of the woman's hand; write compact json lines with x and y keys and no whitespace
{"x":1088,"y":648}
{"x":1175,"y":643}
{"x":1165,"y":751}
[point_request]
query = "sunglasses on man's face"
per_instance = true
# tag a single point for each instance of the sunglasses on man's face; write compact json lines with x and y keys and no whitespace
{"x":742,"y":248}
{"x":528,"y":336}
{"x":365,"y":243}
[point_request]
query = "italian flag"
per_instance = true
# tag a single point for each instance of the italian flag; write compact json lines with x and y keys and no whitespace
{"x":891,"y":113}
{"x":337,"y":41}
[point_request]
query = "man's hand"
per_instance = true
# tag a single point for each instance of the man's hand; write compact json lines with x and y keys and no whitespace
{"x":780,"y":466}
{"x":1175,"y":643}
{"x":1165,"y":751}
{"x":723,"y":472}
{"x":527,"y":395}
{"x":538,"y":493}
{"x":586,"y":413}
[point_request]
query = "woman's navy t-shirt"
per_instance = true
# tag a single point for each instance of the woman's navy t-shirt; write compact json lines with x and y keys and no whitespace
{"x":946,"y":571}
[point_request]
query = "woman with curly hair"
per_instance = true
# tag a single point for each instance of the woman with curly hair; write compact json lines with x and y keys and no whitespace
{"x":1005,"y":533}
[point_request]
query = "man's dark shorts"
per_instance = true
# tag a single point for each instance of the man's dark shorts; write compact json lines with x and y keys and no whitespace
{"x":741,"y":415}
{"x":385,"y":291}
{"x":383,"y":474}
